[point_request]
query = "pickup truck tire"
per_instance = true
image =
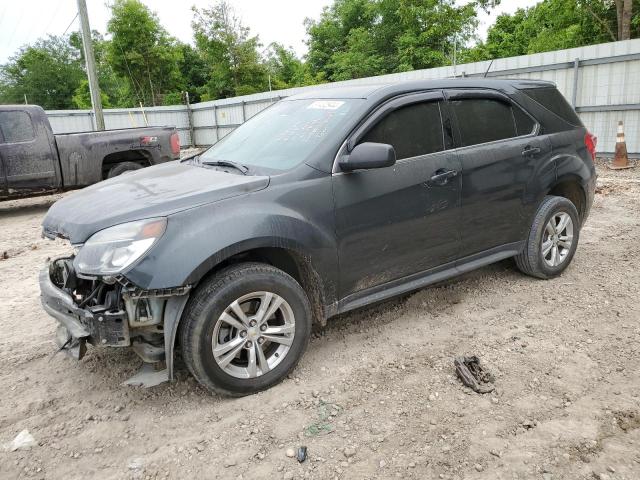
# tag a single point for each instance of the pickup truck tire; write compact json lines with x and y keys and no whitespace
{"x":245,"y":328}
{"x":552,"y":240}
{"x":120,"y":168}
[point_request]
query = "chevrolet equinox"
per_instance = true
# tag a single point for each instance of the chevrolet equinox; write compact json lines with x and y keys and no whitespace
{"x":322,"y":203}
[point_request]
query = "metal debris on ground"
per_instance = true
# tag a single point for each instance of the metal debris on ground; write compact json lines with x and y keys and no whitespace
{"x":302,"y":454}
{"x":473,"y":375}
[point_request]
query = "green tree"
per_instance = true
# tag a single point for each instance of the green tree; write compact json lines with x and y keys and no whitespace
{"x":233,"y":62}
{"x":47,"y":72}
{"x":142,"y":53}
{"x":557,"y":24}
{"x":286,"y":69}
{"x":357,"y":38}
{"x":193,"y":71}
{"x":113,"y":89}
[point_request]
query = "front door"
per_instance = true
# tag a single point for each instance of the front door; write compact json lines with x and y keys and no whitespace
{"x":396,"y":221}
{"x":26,"y":153}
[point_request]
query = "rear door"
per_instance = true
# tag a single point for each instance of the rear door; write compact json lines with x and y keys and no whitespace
{"x":395,"y":221}
{"x":501,"y":155}
{"x":27,"y":157}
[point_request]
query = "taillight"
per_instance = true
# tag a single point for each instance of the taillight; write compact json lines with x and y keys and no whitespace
{"x":590,"y":141}
{"x":175,"y":144}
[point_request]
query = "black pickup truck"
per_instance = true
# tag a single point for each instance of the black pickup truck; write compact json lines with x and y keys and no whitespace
{"x":34,"y":161}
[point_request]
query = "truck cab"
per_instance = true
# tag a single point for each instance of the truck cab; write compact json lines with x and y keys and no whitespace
{"x":28,"y":159}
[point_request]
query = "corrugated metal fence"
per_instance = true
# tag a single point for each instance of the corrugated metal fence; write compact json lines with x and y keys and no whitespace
{"x":601,"y":81}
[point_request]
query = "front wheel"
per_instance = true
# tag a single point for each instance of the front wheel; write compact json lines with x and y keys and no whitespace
{"x":552,"y":240}
{"x":245,"y":329}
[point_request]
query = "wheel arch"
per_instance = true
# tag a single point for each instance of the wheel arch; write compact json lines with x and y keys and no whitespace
{"x":571,"y":187}
{"x":140,"y":156}
{"x":288,"y":258}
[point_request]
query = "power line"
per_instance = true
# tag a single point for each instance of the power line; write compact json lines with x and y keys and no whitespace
{"x":70,"y":23}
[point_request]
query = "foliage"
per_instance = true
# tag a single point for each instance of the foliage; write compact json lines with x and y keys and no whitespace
{"x":140,"y":62}
{"x":47,"y":72}
{"x":286,"y":69}
{"x":193,"y":71}
{"x":553,"y":25}
{"x":231,"y":56}
{"x":358,"y":38}
{"x":82,"y":97}
{"x":142,"y":53}
{"x":113,"y":89}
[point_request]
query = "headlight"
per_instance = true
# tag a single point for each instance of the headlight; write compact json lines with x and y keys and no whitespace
{"x":112,"y":250}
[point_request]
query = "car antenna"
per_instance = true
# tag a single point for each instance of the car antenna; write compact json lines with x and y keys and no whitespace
{"x":488,"y":68}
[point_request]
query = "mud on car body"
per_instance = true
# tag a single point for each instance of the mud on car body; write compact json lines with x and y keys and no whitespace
{"x":322,"y":203}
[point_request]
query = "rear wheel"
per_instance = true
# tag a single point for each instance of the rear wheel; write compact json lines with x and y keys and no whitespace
{"x":120,"y":168}
{"x":553,"y":239}
{"x":245,"y":329}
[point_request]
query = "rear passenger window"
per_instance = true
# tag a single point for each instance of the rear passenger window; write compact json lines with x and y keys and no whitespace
{"x":483,"y":120}
{"x":16,"y":127}
{"x":412,"y":130}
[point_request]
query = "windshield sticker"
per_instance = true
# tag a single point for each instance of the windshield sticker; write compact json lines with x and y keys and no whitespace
{"x":326,"y":104}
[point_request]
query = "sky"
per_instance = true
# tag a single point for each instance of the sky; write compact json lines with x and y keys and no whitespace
{"x":23,"y":22}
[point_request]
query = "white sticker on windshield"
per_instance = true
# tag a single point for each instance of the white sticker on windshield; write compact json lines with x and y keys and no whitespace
{"x":326,"y":104}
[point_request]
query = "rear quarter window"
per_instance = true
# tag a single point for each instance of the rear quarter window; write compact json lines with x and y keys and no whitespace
{"x":551,"y":99}
{"x":16,"y":127}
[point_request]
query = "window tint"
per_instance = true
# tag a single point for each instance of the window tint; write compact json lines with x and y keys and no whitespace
{"x":552,"y":99}
{"x":524,"y":123}
{"x":412,"y":130}
{"x":483,"y":120}
{"x":16,"y":127}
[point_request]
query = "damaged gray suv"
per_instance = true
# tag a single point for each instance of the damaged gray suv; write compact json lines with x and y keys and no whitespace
{"x":322,"y":203}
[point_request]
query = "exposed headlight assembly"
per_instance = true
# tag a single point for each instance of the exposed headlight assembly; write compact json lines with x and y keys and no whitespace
{"x":114,"y":249}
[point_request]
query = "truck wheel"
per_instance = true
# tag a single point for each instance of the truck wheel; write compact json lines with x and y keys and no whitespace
{"x":553,"y":239}
{"x":120,"y":168}
{"x":245,"y":329}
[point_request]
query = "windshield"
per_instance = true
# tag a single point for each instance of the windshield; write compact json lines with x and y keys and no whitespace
{"x":284,"y":135}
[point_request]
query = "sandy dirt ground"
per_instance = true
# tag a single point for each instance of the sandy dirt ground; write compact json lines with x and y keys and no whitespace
{"x":375,"y":395}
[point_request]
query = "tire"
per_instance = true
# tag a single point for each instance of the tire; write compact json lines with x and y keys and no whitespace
{"x":531,"y":260}
{"x":120,"y":168}
{"x":202,"y":325}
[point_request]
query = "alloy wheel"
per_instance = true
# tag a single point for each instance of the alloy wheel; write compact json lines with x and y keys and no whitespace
{"x":253,"y":334}
{"x":557,"y":239}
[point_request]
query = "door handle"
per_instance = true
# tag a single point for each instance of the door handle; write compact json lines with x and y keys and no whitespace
{"x":529,"y":151}
{"x":442,"y":176}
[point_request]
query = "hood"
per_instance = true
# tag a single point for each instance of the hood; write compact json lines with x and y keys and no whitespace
{"x":150,"y":192}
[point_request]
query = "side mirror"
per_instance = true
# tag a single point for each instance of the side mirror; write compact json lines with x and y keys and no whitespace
{"x":368,"y":155}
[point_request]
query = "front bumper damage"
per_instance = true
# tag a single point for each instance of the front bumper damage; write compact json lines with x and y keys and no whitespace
{"x":111,"y":312}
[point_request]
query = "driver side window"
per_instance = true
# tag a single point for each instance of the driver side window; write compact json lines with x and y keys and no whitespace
{"x":413,"y":130}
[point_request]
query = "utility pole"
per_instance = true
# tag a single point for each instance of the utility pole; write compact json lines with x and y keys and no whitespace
{"x":94,"y":88}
